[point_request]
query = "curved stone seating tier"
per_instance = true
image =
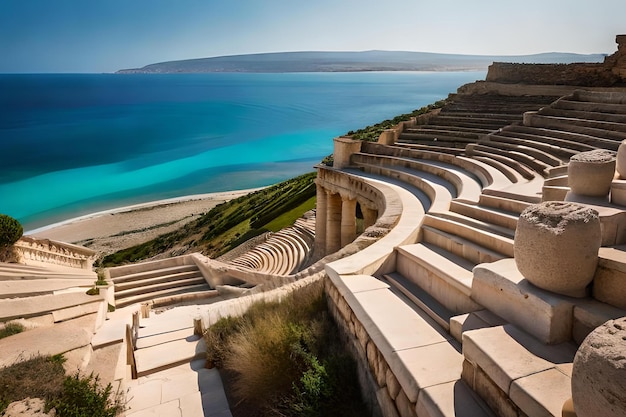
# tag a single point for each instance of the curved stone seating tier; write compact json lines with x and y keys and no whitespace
{"x":546,"y":139}
{"x":458,"y":183}
{"x":527,"y":166}
{"x":283,"y":253}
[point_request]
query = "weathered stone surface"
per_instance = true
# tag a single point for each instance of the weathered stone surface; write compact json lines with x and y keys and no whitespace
{"x":621,"y":160}
{"x":556,"y":246}
{"x":393,"y":386}
{"x":30,"y":407}
{"x":599,"y":373}
{"x":590,"y":173}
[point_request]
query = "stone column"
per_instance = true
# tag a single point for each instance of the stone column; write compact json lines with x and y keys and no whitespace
{"x":321,"y":211}
{"x":348,"y":220}
{"x":369,"y":216}
{"x":333,"y":223}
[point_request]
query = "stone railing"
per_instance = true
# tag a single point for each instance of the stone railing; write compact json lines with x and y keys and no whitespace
{"x":32,"y":251}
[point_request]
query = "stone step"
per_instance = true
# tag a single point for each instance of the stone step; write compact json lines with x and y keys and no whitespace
{"x":446,"y":276}
{"x":606,"y":97}
{"x":416,"y":295}
{"x":448,"y":128}
{"x":494,"y":238}
{"x":58,"y":305}
{"x":156,"y":279}
{"x":503,"y":203}
{"x":541,"y":136}
{"x":168,"y":355}
{"x":480,"y":319}
{"x":528,"y":148}
{"x":605,"y":130}
{"x":569,"y":103}
{"x":476,"y":150}
{"x":485,"y":226}
{"x":510,"y":174}
{"x":178,"y":292}
{"x":513,"y":372}
{"x":439,"y":147}
{"x":486,"y":214}
{"x":51,"y":340}
{"x":524,"y":163}
{"x":584,"y":139}
{"x":593,"y":116}
{"x":17,"y":288}
{"x":437,"y":137}
{"x":158,"y":284}
{"x":159,"y":264}
{"x":152,"y":273}
{"x":459,"y":246}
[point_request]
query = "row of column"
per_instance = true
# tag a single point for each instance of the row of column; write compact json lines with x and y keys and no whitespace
{"x":335,"y":224}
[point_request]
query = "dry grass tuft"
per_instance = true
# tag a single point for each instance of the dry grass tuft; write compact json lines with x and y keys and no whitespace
{"x":286,"y":359}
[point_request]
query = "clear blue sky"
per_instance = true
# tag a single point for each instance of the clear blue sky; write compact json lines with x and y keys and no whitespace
{"x":106,"y":35}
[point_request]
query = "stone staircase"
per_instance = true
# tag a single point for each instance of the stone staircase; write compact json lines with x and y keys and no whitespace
{"x":159,"y":282}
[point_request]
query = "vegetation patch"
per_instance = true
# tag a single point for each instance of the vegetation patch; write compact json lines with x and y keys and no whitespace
{"x":286,"y":359}
{"x":72,"y":396}
{"x":11,"y":329}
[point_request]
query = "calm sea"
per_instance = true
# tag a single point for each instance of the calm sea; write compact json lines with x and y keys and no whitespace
{"x":72,"y":144}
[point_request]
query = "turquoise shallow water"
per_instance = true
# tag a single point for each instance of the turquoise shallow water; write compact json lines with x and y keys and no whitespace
{"x":73,"y":144}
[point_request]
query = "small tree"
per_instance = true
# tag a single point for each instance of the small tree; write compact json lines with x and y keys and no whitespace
{"x":10,"y":230}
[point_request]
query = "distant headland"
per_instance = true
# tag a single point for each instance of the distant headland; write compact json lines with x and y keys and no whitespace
{"x":352,"y":62}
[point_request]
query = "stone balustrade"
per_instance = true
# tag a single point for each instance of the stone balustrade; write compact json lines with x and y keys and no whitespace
{"x":32,"y":251}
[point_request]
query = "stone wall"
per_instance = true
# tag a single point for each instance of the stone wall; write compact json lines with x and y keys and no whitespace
{"x":582,"y":74}
{"x":611,"y":72}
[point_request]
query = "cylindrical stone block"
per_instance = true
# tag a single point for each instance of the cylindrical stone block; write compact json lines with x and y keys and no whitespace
{"x":590,"y":173}
{"x":599,"y":372}
{"x":620,"y":164}
{"x":556,"y":246}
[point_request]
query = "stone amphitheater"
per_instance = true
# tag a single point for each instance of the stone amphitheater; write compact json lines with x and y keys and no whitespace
{"x":474,"y":259}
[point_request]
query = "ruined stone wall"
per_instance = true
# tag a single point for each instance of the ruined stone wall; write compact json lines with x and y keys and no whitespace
{"x":581,"y":74}
{"x":611,"y":72}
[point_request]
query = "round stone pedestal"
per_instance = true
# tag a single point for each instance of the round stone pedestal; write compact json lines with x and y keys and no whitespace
{"x":556,"y":246}
{"x":599,"y":372}
{"x":590,"y":173}
{"x":621,"y":160}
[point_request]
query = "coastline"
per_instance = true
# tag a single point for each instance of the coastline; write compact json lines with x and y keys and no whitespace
{"x":111,"y":230}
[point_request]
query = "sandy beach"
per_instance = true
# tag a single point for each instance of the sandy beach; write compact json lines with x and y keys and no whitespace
{"x":111,"y":230}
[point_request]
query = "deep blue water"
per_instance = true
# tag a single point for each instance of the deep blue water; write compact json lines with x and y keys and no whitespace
{"x":72,"y":144}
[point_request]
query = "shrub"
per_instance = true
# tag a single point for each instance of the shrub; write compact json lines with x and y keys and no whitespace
{"x":10,"y":230}
{"x":11,"y":329}
{"x":286,"y":359}
{"x":85,"y":397}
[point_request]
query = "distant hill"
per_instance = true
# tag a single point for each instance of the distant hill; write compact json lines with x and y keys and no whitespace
{"x":353,"y":61}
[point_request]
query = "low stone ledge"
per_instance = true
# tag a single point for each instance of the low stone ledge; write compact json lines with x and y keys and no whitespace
{"x":501,"y":288}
